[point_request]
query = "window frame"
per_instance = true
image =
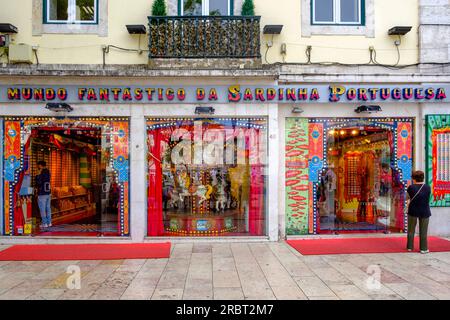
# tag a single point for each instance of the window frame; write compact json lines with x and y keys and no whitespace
{"x":205,"y":7}
{"x":71,"y":14}
{"x":337,"y":15}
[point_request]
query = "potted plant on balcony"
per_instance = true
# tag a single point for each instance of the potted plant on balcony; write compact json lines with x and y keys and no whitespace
{"x":157,"y":29}
{"x":248,"y":8}
{"x":159,"y":8}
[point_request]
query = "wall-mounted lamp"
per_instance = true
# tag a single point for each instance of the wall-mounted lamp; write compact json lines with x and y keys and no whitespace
{"x":272,"y":29}
{"x":204,"y":110}
{"x":136,"y":29}
{"x":368,"y":109}
{"x":399,"y":30}
{"x":59,"y":107}
{"x":8,"y":28}
{"x":297,"y":110}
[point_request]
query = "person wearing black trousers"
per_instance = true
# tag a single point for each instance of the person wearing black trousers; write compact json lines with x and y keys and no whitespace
{"x":418,"y":209}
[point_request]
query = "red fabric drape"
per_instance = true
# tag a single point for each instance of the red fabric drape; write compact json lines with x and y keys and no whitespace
{"x":256,"y":201}
{"x":155,"y":197}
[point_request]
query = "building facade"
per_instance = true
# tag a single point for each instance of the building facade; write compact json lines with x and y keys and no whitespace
{"x":304,"y":118}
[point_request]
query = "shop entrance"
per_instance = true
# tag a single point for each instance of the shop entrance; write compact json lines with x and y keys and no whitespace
{"x":72,"y":178}
{"x":206,"y":176}
{"x":360,"y":190}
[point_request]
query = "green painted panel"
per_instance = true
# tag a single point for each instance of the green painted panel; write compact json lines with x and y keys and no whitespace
{"x":297,"y":172}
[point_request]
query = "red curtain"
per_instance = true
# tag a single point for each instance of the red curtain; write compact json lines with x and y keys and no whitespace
{"x":256,"y":201}
{"x":155,"y":197}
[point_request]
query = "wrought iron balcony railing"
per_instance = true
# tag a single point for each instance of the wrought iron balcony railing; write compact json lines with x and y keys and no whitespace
{"x":204,"y":37}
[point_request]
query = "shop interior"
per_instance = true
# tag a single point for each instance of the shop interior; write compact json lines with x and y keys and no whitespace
{"x":360,"y":190}
{"x":206,"y":177}
{"x":84,"y":194}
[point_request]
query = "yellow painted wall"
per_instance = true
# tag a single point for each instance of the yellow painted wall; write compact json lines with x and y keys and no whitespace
{"x":345,"y":49}
{"x":86,"y":49}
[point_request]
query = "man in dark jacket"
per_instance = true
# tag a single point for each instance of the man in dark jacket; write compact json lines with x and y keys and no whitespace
{"x":44,"y":194}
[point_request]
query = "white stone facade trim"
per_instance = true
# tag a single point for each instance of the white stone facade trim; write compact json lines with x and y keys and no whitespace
{"x":308,"y":29}
{"x":39,"y":27}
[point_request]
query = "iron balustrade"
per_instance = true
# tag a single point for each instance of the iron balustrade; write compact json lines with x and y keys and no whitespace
{"x":204,"y":37}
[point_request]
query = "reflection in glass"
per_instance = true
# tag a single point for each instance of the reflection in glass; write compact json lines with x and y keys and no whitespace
{"x":192,"y":7}
{"x":350,"y":11}
{"x":85,"y":10}
{"x":218,"y":7}
{"x":323,"y":10}
{"x":58,"y":10}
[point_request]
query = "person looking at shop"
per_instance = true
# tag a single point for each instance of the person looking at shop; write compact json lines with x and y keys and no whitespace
{"x":418,"y":209}
{"x":44,"y":194}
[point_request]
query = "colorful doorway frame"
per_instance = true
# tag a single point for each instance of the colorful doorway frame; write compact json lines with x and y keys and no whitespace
{"x":15,"y":132}
{"x":437,"y":124}
{"x":306,"y":158}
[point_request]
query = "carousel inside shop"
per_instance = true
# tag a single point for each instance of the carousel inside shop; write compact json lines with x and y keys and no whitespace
{"x":206,"y":176}
{"x":62,"y":176}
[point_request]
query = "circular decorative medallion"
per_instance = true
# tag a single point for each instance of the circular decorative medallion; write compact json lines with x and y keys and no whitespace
{"x":404,"y":133}
{"x":12,"y":133}
{"x":315,"y":160}
{"x":404,"y":159}
{"x":120,"y":159}
{"x":12,"y":159}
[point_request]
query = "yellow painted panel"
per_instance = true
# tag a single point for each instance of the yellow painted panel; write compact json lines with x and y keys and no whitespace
{"x":86,"y":49}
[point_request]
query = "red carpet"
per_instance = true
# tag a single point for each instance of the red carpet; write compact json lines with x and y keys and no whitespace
{"x":53,"y":252}
{"x":68,"y":234}
{"x":363,"y":245}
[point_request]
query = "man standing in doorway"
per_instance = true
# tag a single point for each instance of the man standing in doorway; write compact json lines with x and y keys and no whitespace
{"x":44,"y":194}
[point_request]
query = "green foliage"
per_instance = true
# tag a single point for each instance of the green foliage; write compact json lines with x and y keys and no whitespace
{"x":159,"y":8}
{"x":248,"y":8}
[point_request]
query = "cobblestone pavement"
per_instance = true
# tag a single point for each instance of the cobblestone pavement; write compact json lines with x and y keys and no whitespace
{"x":234,"y":271}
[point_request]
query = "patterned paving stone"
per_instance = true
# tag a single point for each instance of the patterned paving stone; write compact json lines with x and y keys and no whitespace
{"x":234,"y":271}
{"x":228,"y":294}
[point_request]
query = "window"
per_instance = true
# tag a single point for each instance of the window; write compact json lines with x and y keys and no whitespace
{"x":337,"y":12}
{"x":71,"y":11}
{"x":205,"y":7}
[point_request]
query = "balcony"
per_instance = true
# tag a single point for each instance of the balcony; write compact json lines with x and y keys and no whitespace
{"x":199,"y":37}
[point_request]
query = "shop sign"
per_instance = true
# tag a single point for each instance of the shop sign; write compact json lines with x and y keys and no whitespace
{"x":226,"y":94}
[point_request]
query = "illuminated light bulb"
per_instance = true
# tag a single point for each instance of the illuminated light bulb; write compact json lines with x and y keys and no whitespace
{"x":354,"y":132}
{"x":342,"y":132}
{"x":332,"y":132}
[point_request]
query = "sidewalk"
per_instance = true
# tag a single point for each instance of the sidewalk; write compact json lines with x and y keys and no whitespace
{"x":234,"y":271}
